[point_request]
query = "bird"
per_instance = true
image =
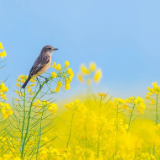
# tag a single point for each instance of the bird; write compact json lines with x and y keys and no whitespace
{"x":41,"y":64}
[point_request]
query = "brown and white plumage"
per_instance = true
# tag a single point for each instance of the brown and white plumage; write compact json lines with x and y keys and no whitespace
{"x":41,"y":64}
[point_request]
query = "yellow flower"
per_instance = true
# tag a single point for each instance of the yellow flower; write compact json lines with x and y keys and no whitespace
{"x":18,"y":84}
{"x":53,"y":65}
{"x":84,"y":70}
{"x":151,"y":90}
{"x":22,"y":94}
{"x":1,"y":45}
{"x":130,"y":110}
{"x":147,"y":97}
{"x":6,"y":110}
{"x":3,"y":96}
{"x":59,"y":84}
{"x":5,"y":116}
{"x":45,"y":139}
{"x":17,"y":92}
{"x":98,"y":75}
{"x":16,"y":99}
{"x":66,"y":64}
{"x":70,"y":72}
{"x":100,"y":94}
{"x":138,"y":100}
{"x":58,"y":67}
{"x":67,"y":86}
{"x":155,"y":85}
{"x":141,"y":112}
{"x":71,"y":104}
{"x":142,"y":105}
{"x":54,"y":75}
{"x":121,"y":101}
{"x":152,"y":101}
{"x":3,"y":54}
{"x":31,"y":93}
{"x":77,"y":101}
{"x":29,"y":90}
{"x":33,"y":84}
{"x":92,"y":66}
{"x":70,"y":79}
{"x":124,"y":106}
{"x":3,"y":110}
{"x":3,"y":88}
{"x":52,"y":108}
{"x":56,"y":89}
{"x":32,"y":80}
{"x":22,"y":77}
{"x":80,"y":77}
{"x":17,"y":158}
{"x":67,"y":106}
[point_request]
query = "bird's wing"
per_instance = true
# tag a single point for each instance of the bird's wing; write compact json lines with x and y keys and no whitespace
{"x":40,"y":62}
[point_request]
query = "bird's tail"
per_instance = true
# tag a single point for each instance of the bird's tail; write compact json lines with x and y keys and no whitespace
{"x":25,"y":83}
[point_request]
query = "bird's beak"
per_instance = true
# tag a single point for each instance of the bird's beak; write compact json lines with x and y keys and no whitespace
{"x":55,"y":49}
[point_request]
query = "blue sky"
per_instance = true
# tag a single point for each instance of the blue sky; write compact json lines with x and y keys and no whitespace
{"x":121,"y":36}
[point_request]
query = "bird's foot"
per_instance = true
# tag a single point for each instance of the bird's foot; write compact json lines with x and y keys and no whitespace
{"x":40,"y":87}
{"x":46,"y":80}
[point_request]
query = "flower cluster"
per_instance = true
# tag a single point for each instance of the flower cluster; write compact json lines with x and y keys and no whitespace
{"x":72,"y":104}
{"x":62,"y":76}
{"x":3,"y":90}
{"x":131,"y":103}
{"x":54,"y":153}
{"x":21,"y":79}
{"x":52,"y":107}
{"x":155,"y":90}
{"x":3,"y":53}
{"x":102,"y":95}
{"x":91,"y":73}
{"x":6,"y":109}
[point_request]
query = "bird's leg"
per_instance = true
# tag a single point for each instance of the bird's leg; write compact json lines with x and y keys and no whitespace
{"x":45,"y":78}
{"x":39,"y":83}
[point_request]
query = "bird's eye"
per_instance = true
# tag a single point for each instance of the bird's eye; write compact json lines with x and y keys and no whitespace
{"x":49,"y":48}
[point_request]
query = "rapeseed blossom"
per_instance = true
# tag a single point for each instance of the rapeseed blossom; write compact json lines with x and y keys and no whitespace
{"x":3,"y":53}
{"x":66,"y":75}
{"x":92,"y":73}
{"x":54,"y":75}
{"x":154,"y":91}
{"x":3,"y":90}
{"x":1,"y":45}
{"x":100,"y":129}
{"x":98,"y":75}
{"x":6,"y":109}
{"x":66,"y":64}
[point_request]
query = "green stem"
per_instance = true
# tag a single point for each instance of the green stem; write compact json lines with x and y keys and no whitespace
{"x":100,"y":107}
{"x":157,"y":110}
{"x":24,"y":117}
{"x":85,"y":130}
{"x":130,"y":118}
{"x":70,"y":132}
{"x":99,"y":141}
{"x":28,"y":122}
{"x":40,"y":132}
{"x":157,"y":121}
{"x":116,"y":129}
{"x":100,"y":128}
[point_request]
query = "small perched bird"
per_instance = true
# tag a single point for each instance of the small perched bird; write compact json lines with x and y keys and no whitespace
{"x":41,"y":64}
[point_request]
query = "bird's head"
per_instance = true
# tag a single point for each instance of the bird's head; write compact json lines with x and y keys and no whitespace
{"x":49,"y":49}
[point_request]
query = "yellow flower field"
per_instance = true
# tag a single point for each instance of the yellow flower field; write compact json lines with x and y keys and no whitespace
{"x":97,"y":127}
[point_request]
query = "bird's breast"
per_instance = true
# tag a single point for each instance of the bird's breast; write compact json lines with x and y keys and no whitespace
{"x":44,"y":68}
